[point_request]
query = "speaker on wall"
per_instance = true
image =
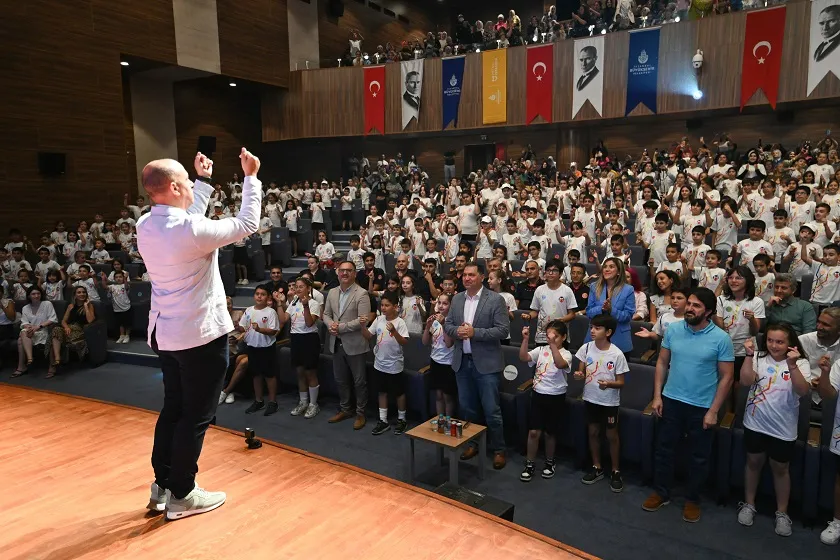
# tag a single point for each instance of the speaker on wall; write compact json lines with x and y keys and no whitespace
{"x":335,"y":8}
{"x":693,"y":124}
{"x":207,"y":145}
{"x":785,"y":117}
{"x":51,"y":163}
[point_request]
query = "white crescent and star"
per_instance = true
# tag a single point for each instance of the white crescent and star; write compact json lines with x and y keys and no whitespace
{"x":762,"y":44}
{"x":534,"y":70}
{"x":378,"y":87}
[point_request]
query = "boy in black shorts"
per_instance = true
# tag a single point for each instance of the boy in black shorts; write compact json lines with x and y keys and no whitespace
{"x":391,"y":334}
{"x":602,"y":366}
{"x":260,"y":325}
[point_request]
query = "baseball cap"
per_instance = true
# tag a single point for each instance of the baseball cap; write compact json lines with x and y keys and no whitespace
{"x":486,"y":220}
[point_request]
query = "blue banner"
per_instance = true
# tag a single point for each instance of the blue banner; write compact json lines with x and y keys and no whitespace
{"x":642,"y":69}
{"x":452,"y":74}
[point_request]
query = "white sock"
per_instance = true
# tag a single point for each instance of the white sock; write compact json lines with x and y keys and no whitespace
{"x":383,"y":414}
{"x":304,"y":397}
{"x":401,"y":414}
{"x":313,"y":394}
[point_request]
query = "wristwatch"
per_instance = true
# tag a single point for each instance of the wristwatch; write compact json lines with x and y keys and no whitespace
{"x":208,"y":180}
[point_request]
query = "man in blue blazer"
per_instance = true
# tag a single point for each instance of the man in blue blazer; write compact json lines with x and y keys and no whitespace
{"x":478,"y":321}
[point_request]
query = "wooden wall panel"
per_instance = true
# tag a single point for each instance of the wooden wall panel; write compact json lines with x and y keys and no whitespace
{"x":64,"y":94}
{"x":253,"y":40}
{"x":469,"y":113}
{"x":564,"y":61}
{"x":517,"y":75}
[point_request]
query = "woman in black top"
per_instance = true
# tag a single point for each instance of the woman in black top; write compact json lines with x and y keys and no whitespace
{"x":72,"y":332}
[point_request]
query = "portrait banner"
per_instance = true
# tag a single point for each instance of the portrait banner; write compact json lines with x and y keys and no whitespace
{"x":588,"y":77}
{"x":411,"y":72}
{"x":823,"y":54}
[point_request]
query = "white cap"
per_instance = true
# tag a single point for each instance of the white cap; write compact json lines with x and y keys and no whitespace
{"x":324,"y":182}
{"x":573,"y":164}
{"x":486,"y":220}
{"x":218,"y":205}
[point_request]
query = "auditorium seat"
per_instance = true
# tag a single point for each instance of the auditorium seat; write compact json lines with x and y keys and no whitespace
{"x":637,"y":256}
{"x":281,"y":249}
{"x":516,"y":325}
{"x":514,"y":398}
{"x":578,"y":328}
{"x":140,"y":294}
{"x":641,"y":346}
{"x":635,"y":426}
{"x":821,"y":466}
{"x":806,"y":284}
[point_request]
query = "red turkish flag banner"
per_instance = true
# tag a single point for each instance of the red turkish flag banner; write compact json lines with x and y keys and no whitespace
{"x":762,"y":62}
{"x":540,"y":83}
{"x":375,"y":99}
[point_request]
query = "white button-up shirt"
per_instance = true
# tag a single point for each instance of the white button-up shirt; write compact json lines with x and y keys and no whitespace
{"x":179,"y":249}
{"x":815,"y":351}
{"x":470,"y":307}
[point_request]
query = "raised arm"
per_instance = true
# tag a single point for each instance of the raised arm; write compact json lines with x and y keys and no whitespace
{"x":213,"y":234}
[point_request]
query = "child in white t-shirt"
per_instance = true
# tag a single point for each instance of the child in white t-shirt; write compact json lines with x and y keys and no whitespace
{"x":602,"y":367}
{"x":825,"y":289}
{"x":118,"y":294}
{"x":261,"y":323}
{"x":749,"y":248}
{"x":658,"y":239}
{"x":87,"y":280}
{"x":265,"y":236}
{"x":290,"y":220}
{"x":553,"y":363}
{"x":764,"y":279}
{"x":391,"y":334}
{"x":441,"y":376}
{"x":778,"y":375}
{"x":54,"y":284}
{"x":779,"y":235}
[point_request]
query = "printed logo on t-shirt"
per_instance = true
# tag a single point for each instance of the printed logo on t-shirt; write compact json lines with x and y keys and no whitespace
{"x":562,"y":299}
{"x":610,"y":366}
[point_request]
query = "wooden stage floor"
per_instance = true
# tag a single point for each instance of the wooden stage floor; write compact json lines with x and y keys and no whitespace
{"x":75,"y":477}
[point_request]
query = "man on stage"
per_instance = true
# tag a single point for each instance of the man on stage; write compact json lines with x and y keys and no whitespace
{"x":188,"y":321}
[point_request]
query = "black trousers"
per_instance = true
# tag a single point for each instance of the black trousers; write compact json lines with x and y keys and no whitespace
{"x":192,"y":381}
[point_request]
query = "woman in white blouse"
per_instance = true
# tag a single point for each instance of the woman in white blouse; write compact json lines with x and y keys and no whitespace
{"x":37,"y":316}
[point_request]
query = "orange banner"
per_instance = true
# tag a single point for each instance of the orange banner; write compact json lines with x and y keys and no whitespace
{"x":494,"y":86}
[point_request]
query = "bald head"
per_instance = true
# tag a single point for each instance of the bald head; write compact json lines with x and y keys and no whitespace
{"x":167,"y":182}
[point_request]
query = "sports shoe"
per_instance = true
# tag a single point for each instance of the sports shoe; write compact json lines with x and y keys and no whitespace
{"x":299,"y":409}
{"x":654,"y":502}
{"x":222,"y":397}
{"x":399,"y":428}
{"x":616,"y":484}
{"x":121,"y":339}
{"x":549,"y":468}
{"x":157,"y":501}
{"x":229,"y":398}
{"x":784,"y":526}
{"x":312,"y":411}
{"x":380,"y":428}
{"x":528,"y":472}
{"x":126,"y":339}
{"x":691,"y":512}
{"x":255,"y":406}
{"x":746,"y":514}
{"x":271,"y":408}
{"x":197,"y":501}
{"x":593,"y":475}
{"x":831,"y":534}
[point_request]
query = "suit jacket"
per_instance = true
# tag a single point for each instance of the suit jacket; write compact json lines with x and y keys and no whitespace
{"x":584,"y":80}
{"x":349,"y":330}
{"x":826,"y":48}
{"x":414,"y":103}
{"x":491,"y":324}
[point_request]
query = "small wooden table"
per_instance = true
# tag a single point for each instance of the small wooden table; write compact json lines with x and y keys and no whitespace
{"x":472,"y":432}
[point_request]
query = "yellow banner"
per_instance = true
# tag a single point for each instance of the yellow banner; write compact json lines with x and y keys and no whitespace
{"x":494,"y":86}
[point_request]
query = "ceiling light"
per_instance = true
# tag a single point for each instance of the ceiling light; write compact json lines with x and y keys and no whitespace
{"x":697,"y":94}
{"x":123,"y":63}
{"x":232,"y":84}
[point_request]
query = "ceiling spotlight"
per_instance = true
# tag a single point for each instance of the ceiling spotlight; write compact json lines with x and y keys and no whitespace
{"x":603,"y":32}
{"x":123,"y":63}
{"x":697,"y":94}
{"x":232,"y":84}
{"x":478,"y":50}
{"x":677,"y":19}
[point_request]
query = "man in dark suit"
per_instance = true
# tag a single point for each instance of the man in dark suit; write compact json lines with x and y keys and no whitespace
{"x":588,"y":57}
{"x":412,"y":90}
{"x":478,"y":321}
{"x":829,"y":22}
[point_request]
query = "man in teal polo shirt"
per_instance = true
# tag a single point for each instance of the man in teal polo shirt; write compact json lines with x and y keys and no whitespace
{"x":699,"y":359}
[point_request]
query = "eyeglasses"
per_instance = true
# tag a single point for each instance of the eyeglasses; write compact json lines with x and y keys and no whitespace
{"x":345,"y":270}
{"x":552,"y":271}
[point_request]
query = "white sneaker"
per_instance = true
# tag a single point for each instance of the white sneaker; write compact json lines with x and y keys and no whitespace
{"x":300,"y":408}
{"x":831,"y":534}
{"x":157,"y":501}
{"x":312,"y":410}
{"x":784,"y":526}
{"x":126,"y":339}
{"x":222,"y":397}
{"x":244,"y":281}
{"x":746,"y":514}
{"x":197,"y":501}
{"x":119,"y":340}
{"x":229,"y":398}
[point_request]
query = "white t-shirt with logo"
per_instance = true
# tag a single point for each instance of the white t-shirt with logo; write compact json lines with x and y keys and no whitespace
{"x":772,"y":404}
{"x":119,"y":297}
{"x":298,"y":320}
{"x":387,"y":351}
{"x":604,"y":365}
{"x":410,"y":313}
{"x":548,"y":378}
{"x":731,"y":313}
{"x":826,"y":287}
{"x":797,"y":266}
{"x":764,"y":287}
{"x":551,"y":305}
{"x":266,"y":318}
{"x":709,"y":278}
{"x":748,"y":249}
{"x":440,"y":352}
